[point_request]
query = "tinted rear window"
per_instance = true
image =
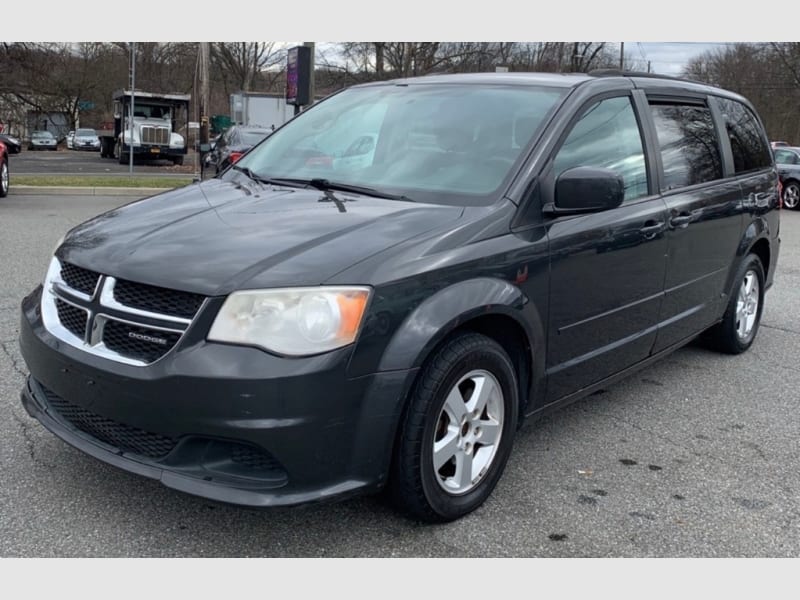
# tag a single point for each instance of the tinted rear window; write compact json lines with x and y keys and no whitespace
{"x":688,"y":142}
{"x":748,"y":142}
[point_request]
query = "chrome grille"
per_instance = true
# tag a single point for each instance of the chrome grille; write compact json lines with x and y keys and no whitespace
{"x":143,"y":343}
{"x":156,"y":299}
{"x":80,"y":279}
{"x":129,"y":322}
{"x":72,"y":317}
{"x":155,"y":135}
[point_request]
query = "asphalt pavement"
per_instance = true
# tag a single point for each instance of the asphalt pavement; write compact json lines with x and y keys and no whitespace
{"x":696,"y":456}
{"x":84,"y":162}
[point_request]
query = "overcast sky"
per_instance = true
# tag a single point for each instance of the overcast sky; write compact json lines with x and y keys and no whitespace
{"x":668,"y":58}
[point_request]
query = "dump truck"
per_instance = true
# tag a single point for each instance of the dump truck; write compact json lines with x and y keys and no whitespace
{"x":151,"y":132}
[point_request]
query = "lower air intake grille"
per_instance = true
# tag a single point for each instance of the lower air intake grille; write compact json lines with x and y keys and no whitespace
{"x":119,"y":435}
{"x":254,"y":458}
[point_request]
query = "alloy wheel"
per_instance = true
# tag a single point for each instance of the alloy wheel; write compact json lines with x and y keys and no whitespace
{"x":468,"y":432}
{"x":747,"y":305}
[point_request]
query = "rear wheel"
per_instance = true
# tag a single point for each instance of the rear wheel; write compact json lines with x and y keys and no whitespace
{"x":177,"y":160}
{"x":4,"y":178}
{"x":791,"y":195}
{"x":458,"y":431}
{"x":739,"y":325}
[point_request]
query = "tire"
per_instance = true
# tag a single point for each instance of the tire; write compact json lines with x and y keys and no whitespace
{"x":739,"y":326}
{"x":791,"y":195}
{"x":439,"y":409}
{"x":177,"y":160}
{"x":123,"y":158}
{"x":4,"y":184}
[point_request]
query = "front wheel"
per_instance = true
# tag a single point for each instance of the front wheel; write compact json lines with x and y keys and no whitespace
{"x":457,"y":433}
{"x":739,"y":325}
{"x":791,"y":195}
{"x":4,"y":178}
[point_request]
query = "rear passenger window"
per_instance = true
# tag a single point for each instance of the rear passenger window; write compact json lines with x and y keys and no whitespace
{"x":748,"y":142}
{"x":688,"y":142}
{"x":607,"y":136}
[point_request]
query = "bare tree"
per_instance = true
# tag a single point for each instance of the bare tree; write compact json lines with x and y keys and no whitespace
{"x":245,"y":65}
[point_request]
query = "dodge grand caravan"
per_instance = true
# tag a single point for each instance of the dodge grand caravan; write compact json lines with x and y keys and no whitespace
{"x":318,"y":321}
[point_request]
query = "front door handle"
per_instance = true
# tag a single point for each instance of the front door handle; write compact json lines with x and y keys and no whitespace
{"x":651,"y":229}
{"x":680,"y":221}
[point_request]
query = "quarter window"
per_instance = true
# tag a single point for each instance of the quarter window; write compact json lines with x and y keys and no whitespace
{"x":748,"y":143}
{"x":785,"y":157}
{"x":688,"y":143}
{"x":608,"y":136}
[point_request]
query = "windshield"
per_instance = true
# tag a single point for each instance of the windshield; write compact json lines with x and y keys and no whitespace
{"x":85,"y":132}
{"x":41,"y":134}
{"x":437,"y":143}
{"x":251,"y":138}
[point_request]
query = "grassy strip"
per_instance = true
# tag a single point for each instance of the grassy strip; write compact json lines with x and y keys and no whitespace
{"x":103,"y":181}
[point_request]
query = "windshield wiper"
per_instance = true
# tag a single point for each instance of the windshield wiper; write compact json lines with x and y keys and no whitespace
{"x":278,"y":181}
{"x":327,"y":184}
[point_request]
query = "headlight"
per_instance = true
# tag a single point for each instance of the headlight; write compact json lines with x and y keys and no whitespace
{"x":292,"y":321}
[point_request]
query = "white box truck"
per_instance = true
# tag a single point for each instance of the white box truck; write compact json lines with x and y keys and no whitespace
{"x":260,"y":109}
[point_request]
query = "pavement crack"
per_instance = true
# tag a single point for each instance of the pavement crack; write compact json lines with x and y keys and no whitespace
{"x":30,"y":442}
{"x":14,"y":363}
{"x":658,"y":435}
{"x":785,"y":329}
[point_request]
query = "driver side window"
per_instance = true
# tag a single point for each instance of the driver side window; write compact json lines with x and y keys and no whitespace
{"x":607,"y":136}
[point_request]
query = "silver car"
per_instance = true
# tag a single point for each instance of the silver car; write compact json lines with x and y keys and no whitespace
{"x":42,"y":140}
{"x":85,"y":139}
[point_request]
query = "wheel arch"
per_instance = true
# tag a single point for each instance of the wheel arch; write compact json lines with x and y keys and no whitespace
{"x":755,"y":240}
{"x":492,"y":307}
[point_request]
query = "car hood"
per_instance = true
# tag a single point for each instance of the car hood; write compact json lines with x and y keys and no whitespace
{"x":218,"y":236}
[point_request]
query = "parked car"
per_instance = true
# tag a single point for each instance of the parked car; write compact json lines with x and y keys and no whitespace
{"x":70,"y":138}
{"x":788,"y":161}
{"x":42,"y":140}
{"x":4,"y":179}
{"x":779,"y":144}
{"x":298,"y":329}
{"x":232,"y":145}
{"x":12,"y":144}
{"x":86,"y":139}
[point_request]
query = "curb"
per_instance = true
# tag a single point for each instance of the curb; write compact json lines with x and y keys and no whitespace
{"x":52,"y":190}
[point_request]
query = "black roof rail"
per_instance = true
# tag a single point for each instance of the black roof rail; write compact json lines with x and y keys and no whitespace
{"x":619,"y":73}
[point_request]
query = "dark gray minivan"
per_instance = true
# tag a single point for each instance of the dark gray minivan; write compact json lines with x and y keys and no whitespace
{"x":376,"y":295}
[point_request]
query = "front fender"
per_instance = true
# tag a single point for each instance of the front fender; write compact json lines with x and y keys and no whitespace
{"x":447,"y":309}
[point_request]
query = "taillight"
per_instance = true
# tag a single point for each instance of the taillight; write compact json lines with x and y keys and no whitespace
{"x":236,"y":156}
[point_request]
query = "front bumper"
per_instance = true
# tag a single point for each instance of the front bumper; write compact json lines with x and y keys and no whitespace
{"x":155,"y":150}
{"x":314,"y":433}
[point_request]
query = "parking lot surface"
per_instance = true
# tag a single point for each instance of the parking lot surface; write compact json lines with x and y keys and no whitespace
{"x":83,"y":162}
{"x":696,"y":456}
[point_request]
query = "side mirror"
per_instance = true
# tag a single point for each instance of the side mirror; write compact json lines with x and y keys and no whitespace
{"x":586,"y":189}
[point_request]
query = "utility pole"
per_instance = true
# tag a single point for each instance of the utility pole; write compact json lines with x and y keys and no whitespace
{"x":312,"y":78}
{"x":133,"y":103}
{"x":648,"y":66}
{"x":622,"y":56}
{"x":204,"y":59}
